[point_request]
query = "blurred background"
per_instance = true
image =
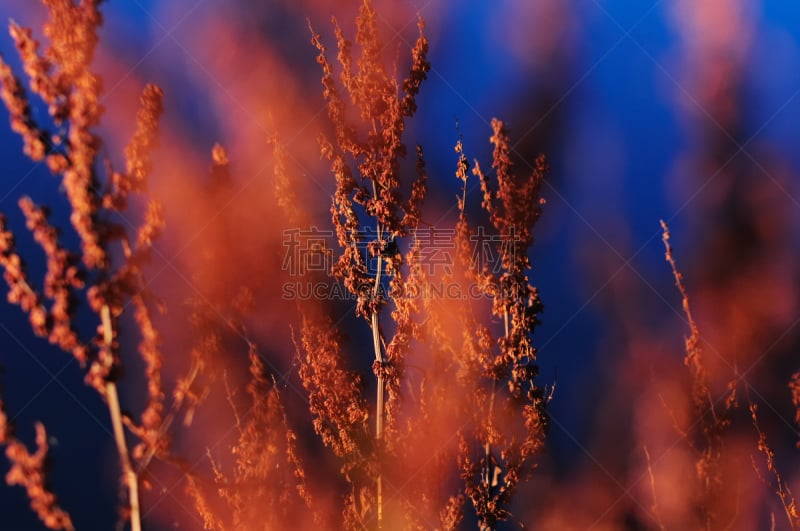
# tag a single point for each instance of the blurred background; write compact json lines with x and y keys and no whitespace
{"x":670,"y":110}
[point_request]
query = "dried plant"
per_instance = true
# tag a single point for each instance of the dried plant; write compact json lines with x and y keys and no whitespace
{"x":61,"y":76}
{"x":268,"y":476}
{"x":29,"y":471}
{"x":374,"y":212}
{"x":513,"y":205}
{"x":713,"y":420}
{"x":383,"y":106}
{"x":780,"y":487}
{"x":417,"y":410}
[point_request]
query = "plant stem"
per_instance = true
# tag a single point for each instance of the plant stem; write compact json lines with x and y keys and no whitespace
{"x":376,"y":345}
{"x":129,"y":476}
{"x":380,"y":405}
{"x":489,"y":472}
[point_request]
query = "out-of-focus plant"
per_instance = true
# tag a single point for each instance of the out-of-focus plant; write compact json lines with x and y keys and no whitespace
{"x":377,"y":218}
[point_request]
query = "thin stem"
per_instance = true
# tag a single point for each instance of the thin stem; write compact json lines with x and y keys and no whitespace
{"x":376,"y":344}
{"x":380,"y":398}
{"x":653,"y":491}
{"x":489,"y":471}
{"x":488,"y":447}
{"x":129,"y":476}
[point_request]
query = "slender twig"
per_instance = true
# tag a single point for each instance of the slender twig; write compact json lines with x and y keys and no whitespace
{"x":653,"y":489}
{"x":129,"y":476}
{"x":380,"y":405}
{"x":489,"y":471}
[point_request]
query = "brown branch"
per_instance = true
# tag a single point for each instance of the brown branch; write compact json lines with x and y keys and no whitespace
{"x":130,"y":480}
